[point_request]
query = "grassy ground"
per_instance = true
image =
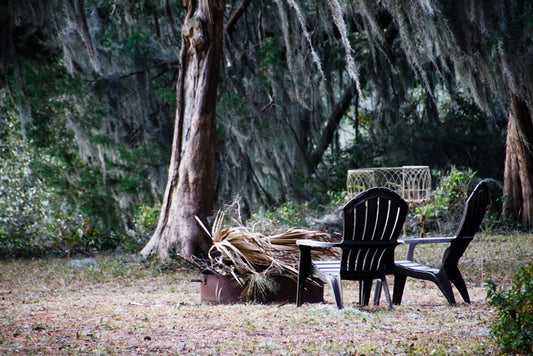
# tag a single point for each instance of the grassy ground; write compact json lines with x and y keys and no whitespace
{"x":114,"y":304}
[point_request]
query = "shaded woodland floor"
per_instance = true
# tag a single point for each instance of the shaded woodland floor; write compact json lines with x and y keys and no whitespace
{"x":115,"y":304}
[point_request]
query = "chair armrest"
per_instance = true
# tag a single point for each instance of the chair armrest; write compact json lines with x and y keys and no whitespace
{"x":313,"y":243}
{"x":427,"y":240}
{"x":369,"y":243}
{"x":324,"y":244}
{"x":305,"y":268}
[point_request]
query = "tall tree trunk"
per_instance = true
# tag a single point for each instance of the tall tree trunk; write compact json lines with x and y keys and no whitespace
{"x":518,"y":174}
{"x":191,"y":175}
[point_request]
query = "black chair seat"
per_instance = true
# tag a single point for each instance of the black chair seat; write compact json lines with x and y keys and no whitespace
{"x":329,"y":267}
{"x":413,"y":268}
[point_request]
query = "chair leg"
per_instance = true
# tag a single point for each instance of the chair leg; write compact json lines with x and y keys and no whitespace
{"x":365,"y":287}
{"x":399,"y":285}
{"x":304,"y":271}
{"x":458,"y":281}
{"x":387,"y":292}
{"x":377,"y":292}
{"x":336,"y":286}
{"x":300,"y":288}
{"x":443,"y":282}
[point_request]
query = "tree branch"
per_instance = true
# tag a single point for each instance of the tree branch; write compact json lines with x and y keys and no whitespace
{"x":333,"y":123}
{"x":236,"y":15}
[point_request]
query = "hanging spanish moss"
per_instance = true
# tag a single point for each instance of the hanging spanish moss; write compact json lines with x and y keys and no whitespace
{"x":485,"y":43}
{"x":93,"y":87}
{"x":487,"y":46}
{"x":308,"y":89}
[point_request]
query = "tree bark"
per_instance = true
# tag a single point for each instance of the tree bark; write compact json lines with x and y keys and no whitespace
{"x":518,"y":173}
{"x":191,"y":176}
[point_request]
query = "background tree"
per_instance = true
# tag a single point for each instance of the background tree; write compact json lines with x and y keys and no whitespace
{"x":92,"y":85}
{"x":489,"y":49}
{"x":441,"y":45}
{"x":190,"y":187}
{"x":290,"y":127}
{"x":99,"y":103}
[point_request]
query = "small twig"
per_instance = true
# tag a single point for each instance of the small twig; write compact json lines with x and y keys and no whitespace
{"x":195,"y":264}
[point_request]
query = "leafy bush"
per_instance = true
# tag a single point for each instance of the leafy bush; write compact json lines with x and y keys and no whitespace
{"x":34,"y":219}
{"x":287,"y":214}
{"x":513,"y":329}
{"x":144,"y":225}
{"x":453,"y":190}
{"x":449,"y":198}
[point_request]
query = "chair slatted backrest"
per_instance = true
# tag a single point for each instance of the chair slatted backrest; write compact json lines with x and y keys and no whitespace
{"x":475,"y":207}
{"x":372,"y":223}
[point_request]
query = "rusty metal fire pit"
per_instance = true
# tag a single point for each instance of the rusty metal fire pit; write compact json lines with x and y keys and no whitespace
{"x":218,"y":289}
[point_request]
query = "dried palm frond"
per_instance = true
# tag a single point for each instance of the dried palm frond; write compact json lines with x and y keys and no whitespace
{"x":259,"y":286}
{"x":250,"y":256}
{"x":250,"y":252}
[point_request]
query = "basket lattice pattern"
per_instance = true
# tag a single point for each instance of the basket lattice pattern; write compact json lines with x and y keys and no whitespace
{"x":413,"y":183}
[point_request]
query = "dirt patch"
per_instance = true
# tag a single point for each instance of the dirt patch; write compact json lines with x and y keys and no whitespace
{"x":118,"y":305}
{"x":145,"y":314}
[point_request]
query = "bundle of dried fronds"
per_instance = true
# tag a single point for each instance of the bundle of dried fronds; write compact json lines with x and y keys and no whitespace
{"x":259,"y":286}
{"x":248,"y":255}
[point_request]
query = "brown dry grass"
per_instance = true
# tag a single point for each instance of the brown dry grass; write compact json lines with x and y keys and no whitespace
{"x":122,"y":306}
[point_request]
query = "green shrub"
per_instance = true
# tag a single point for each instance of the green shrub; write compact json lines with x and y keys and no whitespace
{"x":337,"y":198}
{"x":288,"y":214}
{"x":513,"y":329}
{"x":27,"y":207}
{"x":453,"y":190}
{"x":144,"y":225}
{"x":449,"y":198}
{"x":34,"y":219}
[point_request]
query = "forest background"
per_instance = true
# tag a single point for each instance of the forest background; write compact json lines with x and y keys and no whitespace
{"x":88,"y":104}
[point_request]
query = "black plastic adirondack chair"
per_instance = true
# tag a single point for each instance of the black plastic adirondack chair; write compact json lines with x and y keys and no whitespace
{"x":372,"y":223}
{"x":448,"y":272}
